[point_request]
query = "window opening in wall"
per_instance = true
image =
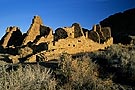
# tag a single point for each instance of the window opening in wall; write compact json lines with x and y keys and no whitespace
{"x":70,"y":34}
{"x":79,"y":40}
{"x":68,"y":44}
{"x":53,"y":43}
{"x":73,"y":45}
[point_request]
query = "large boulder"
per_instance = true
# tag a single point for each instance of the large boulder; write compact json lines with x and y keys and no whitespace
{"x":13,"y":37}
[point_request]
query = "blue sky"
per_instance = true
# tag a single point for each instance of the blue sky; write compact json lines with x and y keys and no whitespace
{"x":58,"y":13}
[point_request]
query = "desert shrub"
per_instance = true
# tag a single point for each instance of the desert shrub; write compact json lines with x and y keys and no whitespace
{"x":117,"y":61}
{"x":82,"y":74}
{"x":26,"y":78}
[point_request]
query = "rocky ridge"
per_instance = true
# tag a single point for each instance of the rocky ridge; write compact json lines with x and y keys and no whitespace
{"x":122,"y":26}
{"x":41,"y":44}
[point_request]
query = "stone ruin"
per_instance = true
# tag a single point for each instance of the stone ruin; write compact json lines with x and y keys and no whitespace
{"x":40,"y":43}
{"x":99,"y":34}
{"x":13,"y":37}
{"x":38,"y":32}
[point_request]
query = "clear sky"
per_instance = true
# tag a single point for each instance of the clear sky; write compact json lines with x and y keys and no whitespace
{"x":58,"y":13}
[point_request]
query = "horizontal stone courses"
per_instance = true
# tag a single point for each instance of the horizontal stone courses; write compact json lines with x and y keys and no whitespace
{"x":73,"y":39}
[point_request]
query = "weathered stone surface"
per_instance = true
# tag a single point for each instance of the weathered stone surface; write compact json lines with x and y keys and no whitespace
{"x":37,"y":20}
{"x":4,"y":59}
{"x":122,"y":25}
{"x":77,"y":30}
{"x":99,"y":31}
{"x":85,"y":32}
{"x":99,"y":34}
{"x":40,"y":47}
{"x":13,"y":37}
{"x":15,"y":59}
{"x":60,"y":33}
{"x":46,"y":35}
{"x":34,"y":30}
{"x":41,"y":44}
{"x":31,"y":59}
{"x":93,"y":35}
{"x":74,"y":31}
{"x":25,"y":51}
{"x":38,"y":33}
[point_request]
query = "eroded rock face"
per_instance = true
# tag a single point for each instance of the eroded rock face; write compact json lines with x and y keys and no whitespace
{"x":13,"y":37}
{"x":122,"y":25}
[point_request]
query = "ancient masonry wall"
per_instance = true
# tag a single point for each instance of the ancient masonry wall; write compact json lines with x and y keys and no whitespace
{"x":41,"y":39}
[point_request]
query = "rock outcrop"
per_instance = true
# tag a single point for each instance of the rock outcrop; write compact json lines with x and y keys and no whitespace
{"x":13,"y":37}
{"x":122,"y":26}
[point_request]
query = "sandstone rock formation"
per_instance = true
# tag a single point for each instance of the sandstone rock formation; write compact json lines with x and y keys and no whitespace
{"x":13,"y":37}
{"x":122,"y":26}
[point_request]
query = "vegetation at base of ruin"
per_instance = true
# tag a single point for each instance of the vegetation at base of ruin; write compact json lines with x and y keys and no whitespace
{"x":26,"y":78}
{"x":109,"y":69}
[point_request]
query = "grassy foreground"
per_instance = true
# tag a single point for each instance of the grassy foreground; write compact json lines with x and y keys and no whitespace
{"x":111,"y":69}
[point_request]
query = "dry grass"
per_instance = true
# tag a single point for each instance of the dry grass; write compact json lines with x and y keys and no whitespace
{"x":27,"y":78}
